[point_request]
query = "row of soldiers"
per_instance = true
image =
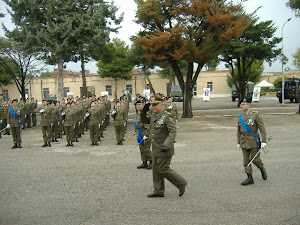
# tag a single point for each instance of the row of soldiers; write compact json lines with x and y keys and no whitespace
{"x":27,"y":114}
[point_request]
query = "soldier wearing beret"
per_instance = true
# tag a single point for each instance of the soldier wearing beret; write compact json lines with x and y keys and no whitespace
{"x":248,"y":139}
{"x":69,"y":123}
{"x":14,"y":123}
{"x":162,"y":134}
{"x":94,"y":117}
{"x":119,"y":115}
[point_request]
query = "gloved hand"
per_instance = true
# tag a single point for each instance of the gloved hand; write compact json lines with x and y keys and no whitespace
{"x":263,"y":145}
{"x":74,"y":127}
{"x":42,"y":110}
{"x":124,"y":124}
{"x":113,"y":112}
{"x":0,"y":121}
{"x":146,"y":108}
{"x":51,"y":124}
{"x":87,"y":114}
{"x":78,"y":123}
{"x":238,"y":146}
{"x":63,"y":113}
{"x":8,"y":126}
{"x":145,"y":138}
{"x":170,"y":107}
{"x":99,"y":126}
{"x":164,"y":149}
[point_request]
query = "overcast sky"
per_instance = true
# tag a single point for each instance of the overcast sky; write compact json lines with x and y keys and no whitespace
{"x":274,"y":10}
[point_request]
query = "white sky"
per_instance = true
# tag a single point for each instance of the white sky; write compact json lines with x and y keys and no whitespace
{"x":274,"y":10}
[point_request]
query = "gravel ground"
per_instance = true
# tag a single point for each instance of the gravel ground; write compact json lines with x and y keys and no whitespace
{"x":101,"y":185}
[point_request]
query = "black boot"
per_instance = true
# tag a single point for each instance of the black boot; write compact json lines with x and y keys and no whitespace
{"x":71,"y":144}
{"x":15,"y":146}
{"x":49,"y":144}
{"x":20,"y":146}
{"x":76,"y":139}
{"x":264,"y":173}
{"x":144,"y":165}
{"x":45,"y":144}
{"x":55,"y":140}
{"x":68,"y":144}
{"x":52,"y":139}
{"x":92,"y":144}
{"x":96,"y":143}
{"x":149,"y":167}
{"x":249,"y":180}
{"x":121,"y":143}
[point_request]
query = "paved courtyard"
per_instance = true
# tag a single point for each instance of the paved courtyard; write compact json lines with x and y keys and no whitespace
{"x":101,"y":185}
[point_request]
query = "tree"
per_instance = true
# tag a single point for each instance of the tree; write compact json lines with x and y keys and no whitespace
{"x":4,"y":74}
{"x":193,"y":31}
{"x":296,"y":61}
{"x":257,"y":69}
{"x":114,"y":62}
{"x":212,"y":65}
{"x":17,"y":63}
{"x":257,"y":43}
{"x":92,"y":31}
{"x":295,"y":6}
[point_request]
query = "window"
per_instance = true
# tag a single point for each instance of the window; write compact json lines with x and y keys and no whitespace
{"x":195,"y":90}
{"x":5,"y":94}
{"x":45,"y":92}
{"x":66,"y":90}
{"x":210,"y":85}
{"x":108,"y":89}
{"x":129,"y":88}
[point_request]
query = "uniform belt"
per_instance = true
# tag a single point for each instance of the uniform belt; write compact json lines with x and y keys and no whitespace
{"x":244,"y":133}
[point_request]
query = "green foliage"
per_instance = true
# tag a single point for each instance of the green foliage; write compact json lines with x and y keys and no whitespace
{"x":212,"y":65}
{"x":4,"y":74}
{"x":46,"y":74}
{"x":115,"y":62}
{"x":279,"y":79}
{"x":295,"y":6}
{"x":257,"y":69}
{"x":296,"y":56}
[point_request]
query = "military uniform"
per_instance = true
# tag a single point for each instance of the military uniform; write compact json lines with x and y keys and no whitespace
{"x":15,"y":125}
{"x":172,"y":108}
{"x":27,"y":111}
{"x":162,"y":134}
{"x":248,"y":142}
{"x":54,"y":119}
{"x":4,"y":112}
{"x":33,"y":114}
{"x":119,"y":123}
{"x":45,"y":112}
{"x":69,"y":124}
{"x":22,"y":116}
{"x":94,"y":117}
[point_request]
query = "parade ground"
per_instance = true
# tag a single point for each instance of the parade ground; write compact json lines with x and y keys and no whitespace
{"x":91,"y":185}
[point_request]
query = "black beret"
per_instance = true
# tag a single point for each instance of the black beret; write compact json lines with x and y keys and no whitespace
{"x":247,"y":100}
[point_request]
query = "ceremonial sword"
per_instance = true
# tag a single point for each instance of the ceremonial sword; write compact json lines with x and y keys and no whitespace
{"x":268,"y":140}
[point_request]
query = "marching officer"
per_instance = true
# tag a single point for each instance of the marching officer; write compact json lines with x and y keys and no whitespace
{"x":14,"y":123}
{"x":94,"y":117}
{"x":162,"y":134}
{"x":142,"y":137}
{"x":119,"y":115}
{"x":249,"y":141}
{"x":54,"y":119}
{"x":69,"y":123}
{"x":45,"y":112}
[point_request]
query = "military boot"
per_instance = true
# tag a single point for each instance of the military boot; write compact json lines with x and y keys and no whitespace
{"x":49,"y":144}
{"x":55,"y":139}
{"x":45,"y":144}
{"x":20,"y":146}
{"x":249,"y":180}
{"x":144,"y":165}
{"x":68,"y":144}
{"x":71,"y":144}
{"x":92,"y":144}
{"x":149,"y":167}
{"x":15,"y":146}
{"x":263,"y":173}
{"x":76,"y":139}
{"x":96,"y":143}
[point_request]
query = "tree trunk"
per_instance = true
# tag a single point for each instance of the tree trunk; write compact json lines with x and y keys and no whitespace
{"x":116,"y":88}
{"x":84,"y":89}
{"x":60,"y":78}
{"x":187,"y":102}
{"x":171,"y":80}
{"x":150,"y":84}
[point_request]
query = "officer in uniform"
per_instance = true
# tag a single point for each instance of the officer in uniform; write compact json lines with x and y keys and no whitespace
{"x":248,"y":139}
{"x":4,"y":113}
{"x":162,"y":134}
{"x":171,"y":107}
{"x":69,"y":123}
{"x":33,"y":107}
{"x":142,"y":137}
{"x":94,"y":115}
{"x":54,"y":118}
{"x":14,"y":123}
{"x":27,"y":111}
{"x":45,"y":112}
{"x":119,"y":115}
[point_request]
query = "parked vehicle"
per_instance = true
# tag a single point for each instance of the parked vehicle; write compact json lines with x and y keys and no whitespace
{"x":249,"y":91}
{"x":291,"y":90}
{"x":176,"y":93}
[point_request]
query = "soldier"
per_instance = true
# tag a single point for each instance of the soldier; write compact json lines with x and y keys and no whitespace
{"x":119,"y":122}
{"x":142,"y":137}
{"x":45,"y":112}
{"x":171,"y":107}
{"x":60,"y":119}
{"x":54,"y":118}
{"x":33,"y":107}
{"x":14,"y":123}
{"x":27,"y":111}
{"x":69,"y":124}
{"x":248,"y":139}
{"x":22,"y":108}
{"x":3,"y":118}
{"x":162,"y":134}
{"x":94,"y":117}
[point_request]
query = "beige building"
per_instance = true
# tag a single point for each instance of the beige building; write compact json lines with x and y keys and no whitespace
{"x":39,"y":87}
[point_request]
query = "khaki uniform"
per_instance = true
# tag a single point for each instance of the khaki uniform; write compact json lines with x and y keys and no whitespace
{"x":69,"y":124}
{"x":45,"y":122}
{"x":22,"y":110}
{"x":248,"y":142}
{"x":15,"y":125}
{"x":33,"y":115}
{"x":54,"y":119}
{"x":146,"y":154}
{"x":94,"y":117}
{"x":27,"y":111}
{"x":172,"y":108}
{"x":3,"y":117}
{"x":163,"y":133}
{"x":119,"y":123}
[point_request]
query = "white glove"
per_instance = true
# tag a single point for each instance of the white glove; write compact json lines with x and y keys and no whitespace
{"x":124,"y":124}
{"x":0,"y":121}
{"x":7,"y":126}
{"x":176,"y":121}
{"x":81,"y":120}
{"x":113,"y":112}
{"x":263,"y":145}
{"x":238,"y":146}
{"x":102,"y":122}
{"x":58,"y":123}
{"x":74,"y":127}
{"x":87,"y":114}
{"x":42,"y":110}
{"x":99,"y":126}
{"x":51,"y":124}
{"x":63,"y":113}
{"x":145,"y":138}
{"x":170,"y":107}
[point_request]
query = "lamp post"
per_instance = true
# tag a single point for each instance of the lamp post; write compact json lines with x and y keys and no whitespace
{"x":282,"y":83}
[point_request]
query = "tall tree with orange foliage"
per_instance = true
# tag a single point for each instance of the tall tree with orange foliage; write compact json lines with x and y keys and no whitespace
{"x":192,"y":30}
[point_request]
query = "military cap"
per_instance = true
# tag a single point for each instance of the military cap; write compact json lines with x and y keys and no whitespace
{"x":156,"y":99}
{"x":247,"y":100}
{"x":14,"y":100}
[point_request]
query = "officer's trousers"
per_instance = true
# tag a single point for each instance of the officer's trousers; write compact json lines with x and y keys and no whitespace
{"x":69,"y":133}
{"x":146,"y":153}
{"x":119,"y":129}
{"x":16,"y":134}
{"x":161,"y":170}
{"x":248,"y":154}
{"x":46,"y":131}
{"x":94,"y":131}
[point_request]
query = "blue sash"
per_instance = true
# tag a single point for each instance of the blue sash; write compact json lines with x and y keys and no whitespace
{"x":140,"y":138}
{"x":249,"y":130}
{"x":15,"y":115}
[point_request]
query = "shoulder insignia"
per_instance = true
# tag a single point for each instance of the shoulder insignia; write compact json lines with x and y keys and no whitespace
{"x":259,"y":116}
{"x":171,"y":119}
